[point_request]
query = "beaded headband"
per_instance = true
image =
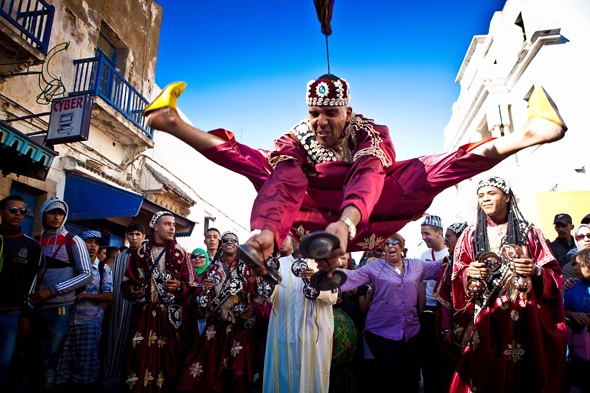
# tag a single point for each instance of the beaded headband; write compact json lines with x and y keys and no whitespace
{"x":457,"y":228}
{"x":157,"y":216}
{"x":230,"y":233}
{"x":433,"y":221}
{"x":328,"y":90}
{"x":495,"y":181}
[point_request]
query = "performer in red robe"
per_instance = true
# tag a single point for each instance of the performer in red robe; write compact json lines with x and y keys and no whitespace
{"x":514,"y":340}
{"x":158,"y":279}
{"x":336,"y":171}
{"x":223,"y":357}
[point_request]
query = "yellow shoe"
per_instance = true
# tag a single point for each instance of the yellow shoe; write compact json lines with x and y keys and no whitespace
{"x":167,"y":98}
{"x":540,"y":104}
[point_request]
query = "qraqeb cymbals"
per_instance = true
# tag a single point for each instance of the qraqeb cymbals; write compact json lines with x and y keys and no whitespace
{"x":251,"y":258}
{"x":319,"y":245}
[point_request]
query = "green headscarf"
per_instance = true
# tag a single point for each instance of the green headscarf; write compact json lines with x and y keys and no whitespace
{"x":200,"y":271}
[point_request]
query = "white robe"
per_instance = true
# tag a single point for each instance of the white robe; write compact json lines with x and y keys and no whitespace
{"x":300,"y":334}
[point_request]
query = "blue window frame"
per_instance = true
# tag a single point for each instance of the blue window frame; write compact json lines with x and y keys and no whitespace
{"x":107,"y":49}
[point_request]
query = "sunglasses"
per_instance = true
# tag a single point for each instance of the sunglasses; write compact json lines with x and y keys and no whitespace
{"x":447,"y":238}
{"x":229,"y":239}
{"x":193,"y":256}
{"x":391,"y":242}
{"x":15,"y":210}
{"x":582,"y":236}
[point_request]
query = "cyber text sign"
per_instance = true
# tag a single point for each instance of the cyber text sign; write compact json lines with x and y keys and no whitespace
{"x":70,"y":119}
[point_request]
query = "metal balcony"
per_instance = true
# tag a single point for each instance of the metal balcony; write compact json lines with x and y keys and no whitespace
{"x":99,"y":77}
{"x":32,"y":18}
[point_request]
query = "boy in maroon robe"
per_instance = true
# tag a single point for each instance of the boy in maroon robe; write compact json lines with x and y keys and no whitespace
{"x":514,"y":337}
{"x":158,"y":279}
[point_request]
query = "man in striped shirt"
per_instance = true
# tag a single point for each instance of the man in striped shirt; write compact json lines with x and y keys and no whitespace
{"x":65,"y":268}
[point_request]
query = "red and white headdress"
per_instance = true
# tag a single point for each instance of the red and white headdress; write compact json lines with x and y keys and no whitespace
{"x":328,"y":90}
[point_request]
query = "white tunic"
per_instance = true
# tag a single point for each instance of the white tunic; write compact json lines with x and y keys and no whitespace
{"x":300,"y":333}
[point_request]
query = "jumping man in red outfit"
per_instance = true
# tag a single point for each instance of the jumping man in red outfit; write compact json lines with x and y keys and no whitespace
{"x":336,"y":171}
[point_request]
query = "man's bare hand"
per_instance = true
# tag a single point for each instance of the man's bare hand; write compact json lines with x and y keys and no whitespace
{"x":581,"y":317}
{"x":24,"y":325}
{"x":172,"y":285}
{"x":340,"y":229}
{"x":447,"y":337}
{"x":570,"y":283}
{"x":524,"y":266}
{"x":264,"y":243}
{"x":207,"y":284}
{"x":308,"y":272}
{"x":137,"y":294}
{"x":38,"y":296}
{"x":478,"y":270}
{"x":247,"y":313}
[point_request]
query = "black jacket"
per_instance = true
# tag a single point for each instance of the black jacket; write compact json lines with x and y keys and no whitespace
{"x":21,"y":261}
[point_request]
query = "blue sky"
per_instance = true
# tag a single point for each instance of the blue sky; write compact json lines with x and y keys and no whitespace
{"x":247,"y":62}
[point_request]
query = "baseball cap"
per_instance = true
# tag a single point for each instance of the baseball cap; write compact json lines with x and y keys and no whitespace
{"x":94,"y":235}
{"x":562,"y":218}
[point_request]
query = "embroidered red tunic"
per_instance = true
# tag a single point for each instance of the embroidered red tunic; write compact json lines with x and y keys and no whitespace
{"x":517,"y":342}
{"x":303,"y":186}
{"x":224,"y":354}
{"x":152,"y":360}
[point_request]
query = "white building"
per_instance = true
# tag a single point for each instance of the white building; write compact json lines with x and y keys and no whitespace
{"x":530,"y":42}
{"x":223,"y":198}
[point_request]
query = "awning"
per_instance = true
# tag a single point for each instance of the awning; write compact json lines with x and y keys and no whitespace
{"x":22,"y":155}
{"x":89,"y":199}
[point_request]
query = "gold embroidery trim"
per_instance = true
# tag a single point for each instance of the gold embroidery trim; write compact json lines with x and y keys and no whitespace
{"x":273,"y":161}
{"x":375,"y":149}
{"x":370,"y":242}
{"x":300,"y":231}
{"x":514,"y":352}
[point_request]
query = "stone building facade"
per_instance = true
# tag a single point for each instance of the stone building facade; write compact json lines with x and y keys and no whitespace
{"x":106,"y":49}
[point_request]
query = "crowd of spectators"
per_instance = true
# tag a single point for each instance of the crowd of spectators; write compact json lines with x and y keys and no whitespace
{"x":75,"y":312}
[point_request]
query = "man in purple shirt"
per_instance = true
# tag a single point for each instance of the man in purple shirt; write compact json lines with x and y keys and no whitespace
{"x":392,"y":324}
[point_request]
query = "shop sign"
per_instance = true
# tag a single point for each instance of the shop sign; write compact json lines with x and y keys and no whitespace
{"x":70,"y":119}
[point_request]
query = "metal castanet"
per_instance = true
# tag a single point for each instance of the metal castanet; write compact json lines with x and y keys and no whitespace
{"x":319,"y":245}
{"x":251,"y":258}
{"x":476,"y":286}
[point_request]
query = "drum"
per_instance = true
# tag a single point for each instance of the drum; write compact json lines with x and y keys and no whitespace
{"x":345,"y":339}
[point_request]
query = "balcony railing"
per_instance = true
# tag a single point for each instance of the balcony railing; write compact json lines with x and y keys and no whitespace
{"x":98,"y":77}
{"x":34,"y":19}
